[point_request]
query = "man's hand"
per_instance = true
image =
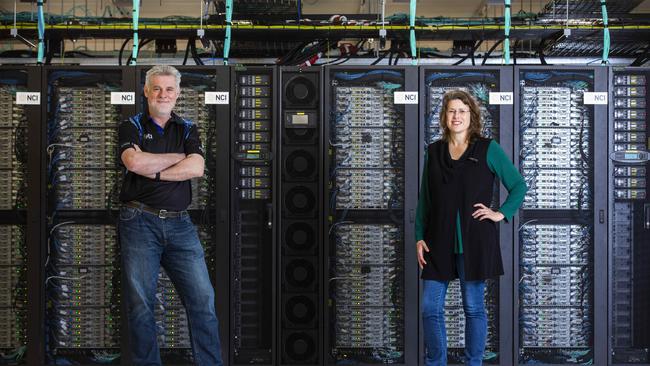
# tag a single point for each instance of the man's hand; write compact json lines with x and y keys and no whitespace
{"x":484,"y":212}
{"x":148,"y":164}
{"x":421,"y":248}
{"x":192,"y":166}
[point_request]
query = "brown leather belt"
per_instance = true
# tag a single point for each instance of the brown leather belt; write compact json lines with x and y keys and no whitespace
{"x":163,"y":214}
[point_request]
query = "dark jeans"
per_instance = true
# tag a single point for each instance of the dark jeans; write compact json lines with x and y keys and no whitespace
{"x":147,"y":242}
{"x":433,"y":319}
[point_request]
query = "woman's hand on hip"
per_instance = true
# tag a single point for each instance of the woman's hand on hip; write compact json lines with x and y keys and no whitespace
{"x":484,"y":212}
{"x":422,"y":247}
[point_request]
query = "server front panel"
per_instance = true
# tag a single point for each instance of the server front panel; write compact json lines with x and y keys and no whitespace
{"x":13,"y":205}
{"x":300,"y":212}
{"x":366,"y":224}
{"x":556,"y":230}
{"x":629,"y":205}
{"x":82,"y":263}
{"x":253,"y":225}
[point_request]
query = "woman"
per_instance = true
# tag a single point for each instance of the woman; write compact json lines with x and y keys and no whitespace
{"x":455,"y":228}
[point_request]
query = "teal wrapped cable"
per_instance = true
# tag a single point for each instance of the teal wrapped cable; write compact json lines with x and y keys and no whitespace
{"x":413,"y":7}
{"x":506,"y":41}
{"x":136,"y":17}
{"x":41,"y":33}
{"x":606,"y":40}
{"x":226,"y":41}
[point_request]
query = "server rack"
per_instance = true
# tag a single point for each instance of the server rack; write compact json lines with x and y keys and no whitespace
{"x":80,"y":285}
{"x":372,"y":169}
{"x":628,"y":203}
{"x":559,"y":251}
{"x":300,"y":235}
{"x":253,"y":227}
{"x":208,"y":209}
{"x":602,"y":349}
{"x":481,"y":82}
{"x":18,"y":216}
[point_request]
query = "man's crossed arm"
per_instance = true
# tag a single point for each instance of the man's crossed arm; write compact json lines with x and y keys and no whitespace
{"x":173,"y":167}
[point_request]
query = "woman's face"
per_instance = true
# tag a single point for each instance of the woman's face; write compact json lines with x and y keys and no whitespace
{"x":458,"y":116}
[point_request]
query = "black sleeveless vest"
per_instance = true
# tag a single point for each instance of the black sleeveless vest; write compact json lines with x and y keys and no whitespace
{"x":455,"y":186}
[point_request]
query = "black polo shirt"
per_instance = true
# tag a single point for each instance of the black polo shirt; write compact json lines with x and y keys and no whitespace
{"x":179,"y":136}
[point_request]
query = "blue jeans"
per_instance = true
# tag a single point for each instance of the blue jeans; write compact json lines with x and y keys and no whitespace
{"x":433,"y":319}
{"x":147,"y":242}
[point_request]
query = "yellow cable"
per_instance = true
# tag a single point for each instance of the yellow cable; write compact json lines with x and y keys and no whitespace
{"x":126,"y":26}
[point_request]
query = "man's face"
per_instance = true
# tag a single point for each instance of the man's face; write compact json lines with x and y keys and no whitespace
{"x":161,"y":94}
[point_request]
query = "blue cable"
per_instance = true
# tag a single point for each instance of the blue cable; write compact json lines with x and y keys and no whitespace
{"x":71,"y":74}
{"x":299,"y":10}
{"x":13,"y":81}
{"x":506,"y":41}
{"x":348,"y":76}
{"x":543,"y":76}
{"x":445,"y":75}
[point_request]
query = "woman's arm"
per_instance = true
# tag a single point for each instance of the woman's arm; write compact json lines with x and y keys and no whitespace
{"x":502,"y":167}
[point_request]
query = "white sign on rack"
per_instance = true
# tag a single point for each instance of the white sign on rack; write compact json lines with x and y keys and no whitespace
{"x":595,"y":97}
{"x":122,"y":98}
{"x":405,"y":98}
{"x":217,"y":98}
{"x":28,"y":98}
{"x":501,"y":98}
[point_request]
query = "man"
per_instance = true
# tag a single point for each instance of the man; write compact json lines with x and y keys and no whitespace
{"x":162,"y":152}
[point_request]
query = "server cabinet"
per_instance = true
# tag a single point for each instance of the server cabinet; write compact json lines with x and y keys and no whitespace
{"x":208,"y":208}
{"x":300,"y":236}
{"x":18,"y":165}
{"x":81,"y":264}
{"x":482,"y":83}
{"x":370,"y":273}
{"x":253,"y":223}
{"x":628,"y":204}
{"x":560,"y":256}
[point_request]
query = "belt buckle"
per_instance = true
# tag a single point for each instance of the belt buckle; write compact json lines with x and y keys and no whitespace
{"x":162,"y":214}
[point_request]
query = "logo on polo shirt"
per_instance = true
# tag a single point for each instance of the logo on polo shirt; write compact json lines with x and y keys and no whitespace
{"x":148,"y":136}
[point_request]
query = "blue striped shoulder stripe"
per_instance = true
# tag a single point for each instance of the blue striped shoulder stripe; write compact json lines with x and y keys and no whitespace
{"x":136,"y":121}
{"x":187,"y":125}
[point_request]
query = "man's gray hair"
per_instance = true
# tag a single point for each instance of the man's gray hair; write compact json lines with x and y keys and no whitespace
{"x":162,"y":70}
